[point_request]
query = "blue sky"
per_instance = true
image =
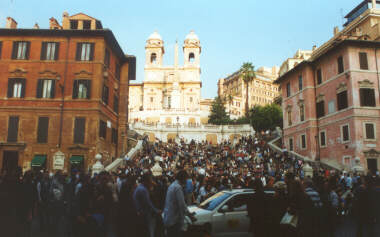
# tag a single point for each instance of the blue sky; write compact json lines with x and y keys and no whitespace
{"x":231,"y":32}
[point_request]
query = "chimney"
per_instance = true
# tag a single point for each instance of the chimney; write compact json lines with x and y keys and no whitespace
{"x":373,"y":3}
{"x":36,"y":26}
{"x":314,"y":47}
{"x":336,"y":30}
{"x":11,"y":23}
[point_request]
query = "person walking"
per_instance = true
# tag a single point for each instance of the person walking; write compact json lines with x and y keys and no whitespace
{"x":175,"y":206}
{"x":146,"y":211}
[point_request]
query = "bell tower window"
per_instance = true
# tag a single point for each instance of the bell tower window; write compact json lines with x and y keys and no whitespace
{"x":153,"y":58}
{"x":191,"y":57}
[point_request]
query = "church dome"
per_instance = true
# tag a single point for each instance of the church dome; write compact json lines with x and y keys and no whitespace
{"x":155,"y":36}
{"x":192,"y":36}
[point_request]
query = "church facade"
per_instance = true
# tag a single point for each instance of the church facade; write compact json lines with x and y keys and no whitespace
{"x":169,"y":94}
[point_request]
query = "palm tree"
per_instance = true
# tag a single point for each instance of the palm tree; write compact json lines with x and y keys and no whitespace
{"x":248,"y":73}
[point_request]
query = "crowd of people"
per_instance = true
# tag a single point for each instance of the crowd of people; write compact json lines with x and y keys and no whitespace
{"x":133,"y":201}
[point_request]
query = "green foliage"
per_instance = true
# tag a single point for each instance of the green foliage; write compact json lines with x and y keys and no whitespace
{"x":266,"y":117}
{"x":218,"y":114}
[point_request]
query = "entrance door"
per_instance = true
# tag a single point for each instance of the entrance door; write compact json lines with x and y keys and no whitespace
{"x":372,"y":165}
{"x":10,"y":161}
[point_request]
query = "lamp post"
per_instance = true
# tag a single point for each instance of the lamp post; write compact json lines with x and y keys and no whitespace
{"x":97,"y":167}
{"x":177,"y":136}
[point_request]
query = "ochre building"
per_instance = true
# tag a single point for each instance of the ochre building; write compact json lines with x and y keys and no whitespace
{"x":261,"y":90}
{"x":63,"y":96}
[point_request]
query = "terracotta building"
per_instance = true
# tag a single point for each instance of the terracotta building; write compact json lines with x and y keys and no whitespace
{"x":63,"y":96}
{"x":262,"y":90}
{"x":331,"y":101}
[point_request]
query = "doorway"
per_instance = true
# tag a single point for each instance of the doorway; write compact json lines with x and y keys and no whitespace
{"x":372,"y":165}
{"x":10,"y":161}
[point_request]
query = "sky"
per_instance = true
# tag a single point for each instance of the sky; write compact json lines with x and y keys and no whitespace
{"x":231,"y":32}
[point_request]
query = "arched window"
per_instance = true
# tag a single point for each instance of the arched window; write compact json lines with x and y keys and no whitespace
{"x":153,"y":58}
{"x":191,"y":57}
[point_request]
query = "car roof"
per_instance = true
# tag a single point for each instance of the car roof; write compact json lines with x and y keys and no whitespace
{"x":247,"y":190}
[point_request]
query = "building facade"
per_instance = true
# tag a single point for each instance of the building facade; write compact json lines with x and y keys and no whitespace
{"x":64,"y":96}
{"x":331,"y":101}
{"x":169,"y":94}
{"x":261,"y":90}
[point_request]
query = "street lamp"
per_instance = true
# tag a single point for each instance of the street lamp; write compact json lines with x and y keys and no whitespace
{"x":177,"y":136}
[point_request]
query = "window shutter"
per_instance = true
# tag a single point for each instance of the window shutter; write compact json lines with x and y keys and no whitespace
{"x":43,"y":50}
{"x":27,"y":50}
{"x":56,"y":55}
{"x":92,"y":51}
{"x":10,"y":88}
{"x":52,"y":91}
{"x":23,"y":83}
{"x":363,"y":61}
{"x":39,"y":88}
{"x":13,"y":129}
{"x":75,"y":89}
{"x":88,"y":89}
{"x":131,"y":68}
{"x":79,"y":129}
{"x":79,"y":51}
{"x":43,"y":129}
{"x":1,"y":47}
{"x":14,"y":50}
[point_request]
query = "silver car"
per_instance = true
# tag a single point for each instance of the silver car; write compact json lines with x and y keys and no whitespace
{"x":223,"y":214}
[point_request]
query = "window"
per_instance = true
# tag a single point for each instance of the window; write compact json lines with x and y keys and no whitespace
{"x":363,"y":61}
{"x":102,"y":129}
{"x":300,"y":82}
{"x":340,"y":65}
{"x":49,"y":50}
{"x":20,"y":50}
{"x":117,"y":71}
{"x":42,"y":130}
{"x":319,"y":76}
{"x":73,"y":24}
{"x":347,"y":161}
{"x":289,"y":118}
{"x":85,"y":51}
{"x":45,"y":88}
{"x":191,"y":57}
{"x":105,"y":94}
{"x":369,"y":131}
{"x":107,"y":58}
{"x":13,"y":129}
{"x":16,"y":88}
{"x":367,"y":97}
{"x":331,"y":106}
{"x":342,"y":100}
{"x":320,"y":109}
{"x":169,"y":102}
{"x":288,"y":89}
{"x":153,"y":58}
{"x":303,"y":141}
{"x":151,"y":99}
{"x":79,"y":130}
{"x":191,"y":99}
{"x":116,"y":104}
{"x":302,"y":112}
{"x":81,"y":89}
{"x":345,"y":131}
{"x":1,"y":47}
{"x":322,"y":138}
{"x":86,"y":25}
{"x":290,"y":144}
{"x":114,"y":136}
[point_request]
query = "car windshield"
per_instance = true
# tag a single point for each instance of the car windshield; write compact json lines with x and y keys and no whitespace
{"x":214,"y":201}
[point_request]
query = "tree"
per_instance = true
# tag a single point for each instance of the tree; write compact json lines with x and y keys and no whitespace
{"x":248,"y":73}
{"x":228,"y":99}
{"x":266,"y":117}
{"x":218,"y":114}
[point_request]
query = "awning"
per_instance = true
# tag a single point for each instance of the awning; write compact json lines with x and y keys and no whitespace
{"x":38,"y":160}
{"x":76,"y":159}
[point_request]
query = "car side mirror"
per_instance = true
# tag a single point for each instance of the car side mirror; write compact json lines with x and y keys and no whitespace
{"x":224,"y":209}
